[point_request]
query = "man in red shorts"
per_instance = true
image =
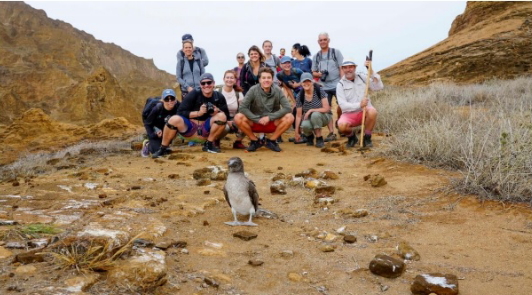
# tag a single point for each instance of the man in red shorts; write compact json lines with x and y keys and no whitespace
{"x":264,"y":110}
{"x":350,"y":94}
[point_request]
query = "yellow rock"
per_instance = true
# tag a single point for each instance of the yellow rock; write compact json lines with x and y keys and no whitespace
{"x":4,"y":253}
{"x":294,"y":277}
{"x":212,"y":252}
{"x":25,"y":269}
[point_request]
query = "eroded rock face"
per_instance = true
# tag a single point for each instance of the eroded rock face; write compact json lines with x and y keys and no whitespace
{"x":489,"y":40}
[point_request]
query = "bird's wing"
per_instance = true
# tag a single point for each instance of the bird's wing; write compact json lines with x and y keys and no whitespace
{"x":226,"y":196}
{"x":252,"y":190}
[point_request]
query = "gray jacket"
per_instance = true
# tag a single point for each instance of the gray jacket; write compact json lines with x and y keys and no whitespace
{"x":185,"y":76}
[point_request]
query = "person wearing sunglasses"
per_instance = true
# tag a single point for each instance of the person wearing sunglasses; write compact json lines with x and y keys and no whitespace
{"x":156,"y":119}
{"x":201,"y":116}
{"x":189,"y":69}
{"x":241,"y":59}
{"x":249,"y":75}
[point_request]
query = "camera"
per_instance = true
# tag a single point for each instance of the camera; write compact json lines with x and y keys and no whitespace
{"x":324,"y":74}
{"x":210,"y":108}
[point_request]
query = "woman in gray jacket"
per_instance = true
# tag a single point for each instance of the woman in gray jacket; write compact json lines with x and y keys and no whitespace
{"x":189,"y":69}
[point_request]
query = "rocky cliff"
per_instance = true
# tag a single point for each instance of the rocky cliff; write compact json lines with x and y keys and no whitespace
{"x":489,"y":40}
{"x":70,"y":75}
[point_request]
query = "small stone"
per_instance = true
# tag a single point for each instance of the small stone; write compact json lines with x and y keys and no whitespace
{"x":330,"y":237}
{"x":184,"y":251}
{"x":211,"y":282}
{"x":278,"y":188}
{"x":25,"y":270}
{"x":102,"y":196}
{"x":205,"y":223}
{"x":325,"y":189}
{"x":254,"y":262}
{"x":143,"y":243}
{"x":173,"y":176}
{"x":206,"y":192}
{"x":38,"y":243}
{"x":330,"y":150}
{"x":16,"y":245}
{"x":279,"y":168}
{"x":348,"y":213}
{"x":203,"y":182}
{"x":202,"y":173}
{"x":435,"y":283}
{"x":320,"y":164}
{"x":29,"y":257}
{"x":180,"y":156}
{"x":4,"y":253}
{"x":312,"y":183}
{"x":287,"y":254}
{"x":307,"y":173}
{"x":350,"y":239}
{"x":82,"y":283}
{"x":135,"y":187}
{"x":294,"y":277}
{"x":245,"y":235}
{"x":16,"y":183}
{"x":407,"y":252}
{"x":278,"y":176}
{"x":326,"y":248}
{"x":165,"y":244}
{"x":323,"y":202}
{"x":386,"y":266}
{"x":378,"y":181}
{"x":327,"y":174}
{"x":8,"y":222}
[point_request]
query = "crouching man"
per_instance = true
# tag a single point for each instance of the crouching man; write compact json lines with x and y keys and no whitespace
{"x":264,"y":109}
{"x":202,"y":115}
{"x":350,"y":94}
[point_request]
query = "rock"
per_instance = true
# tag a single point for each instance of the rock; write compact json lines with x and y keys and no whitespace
{"x":38,"y":243}
{"x":296,"y":181}
{"x":330,"y":237}
{"x":386,"y":266}
{"x":287,"y":253}
{"x":145,"y":270}
{"x":254,"y":262}
{"x":180,"y":156}
{"x":173,"y":176}
{"x":278,"y":188}
{"x":143,"y":243}
{"x":25,"y":270}
{"x":169,"y":244}
{"x":102,"y":196}
{"x":81,"y":283}
{"x":307,"y":173}
{"x":211,"y":282}
{"x":437,"y":283}
{"x":330,"y":150}
{"x":312,"y":183}
{"x":348,"y":213}
{"x":203,"y":173}
{"x":375,"y":180}
{"x":350,"y":239}
{"x":29,"y":257}
{"x":278,"y":176}
{"x":324,"y":201}
{"x":203,"y":182}
{"x":245,"y":235}
{"x":294,"y":277}
{"x":212,"y":252}
{"x":135,"y":187}
{"x":326,"y":248}
{"x":4,"y":253}
{"x":407,"y":252}
{"x":325,"y":189}
{"x":16,"y":245}
{"x":8,"y":222}
{"x":327,"y":174}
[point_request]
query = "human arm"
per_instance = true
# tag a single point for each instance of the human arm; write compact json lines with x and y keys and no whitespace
{"x":149,"y":122}
{"x":375,"y":80}
{"x":179,"y":72}
{"x":245,"y":106}
{"x":325,"y":107}
{"x":285,"y":106}
{"x":299,"y":114}
{"x":188,"y":107}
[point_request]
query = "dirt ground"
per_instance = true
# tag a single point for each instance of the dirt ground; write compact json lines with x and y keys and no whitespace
{"x":485,"y":244}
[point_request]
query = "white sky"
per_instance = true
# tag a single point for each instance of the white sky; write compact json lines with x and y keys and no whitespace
{"x":394,"y":30}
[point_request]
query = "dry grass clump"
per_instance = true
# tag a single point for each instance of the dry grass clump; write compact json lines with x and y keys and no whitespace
{"x":483,"y":130}
{"x":38,"y":163}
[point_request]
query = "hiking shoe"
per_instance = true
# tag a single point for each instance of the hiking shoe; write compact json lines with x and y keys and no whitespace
{"x":210,"y":147}
{"x":254,"y":145}
{"x":145,"y":151}
{"x":301,"y":140}
{"x":367,"y":140}
{"x":352,"y":141}
{"x":239,"y":145}
{"x":161,"y":152}
{"x":310,"y":140}
{"x":272,"y":145}
{"x":330,"y":137}
{"x":319,"y":142}
{"x":280,"y":140}
{"x":292,"y":139}
{"x":217,"y":143}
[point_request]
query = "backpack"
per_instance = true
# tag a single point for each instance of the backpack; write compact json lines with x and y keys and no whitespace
{"x":333,"y":56}
{"x":317,"y":90}
{"x":183,"y":63}
{"x":151,"y":102}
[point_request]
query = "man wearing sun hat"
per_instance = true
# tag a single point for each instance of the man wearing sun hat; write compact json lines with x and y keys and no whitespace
{"x":198,"y":51}
{"x":350,"y":94}
{"x":201,"y":116}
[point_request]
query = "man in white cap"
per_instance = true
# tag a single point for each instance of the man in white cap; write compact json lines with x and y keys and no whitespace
{"x":350,"y":94}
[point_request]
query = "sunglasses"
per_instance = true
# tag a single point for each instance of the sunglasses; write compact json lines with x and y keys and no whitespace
{"x":169,"y":98}
{"x":206,"y":83}
{"x":240,"y":57}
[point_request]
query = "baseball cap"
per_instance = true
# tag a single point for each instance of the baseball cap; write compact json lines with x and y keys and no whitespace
{"x":206,"y":76}
{"x":305,"y":77}
{"x":349,"y":62}
{"x":285,"y":59}
{"x":187,"y":37}
{"x":168,"y":92}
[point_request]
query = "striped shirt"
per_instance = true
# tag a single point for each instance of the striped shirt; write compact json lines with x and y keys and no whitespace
{"x":315,"y":103}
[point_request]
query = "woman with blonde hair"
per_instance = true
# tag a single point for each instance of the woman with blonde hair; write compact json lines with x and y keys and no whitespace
{"x":249,"y":75}
{"x":189,"y":69}
{"x":233,"y":95}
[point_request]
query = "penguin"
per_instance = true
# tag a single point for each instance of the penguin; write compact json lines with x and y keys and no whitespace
{"x":240,"y":193}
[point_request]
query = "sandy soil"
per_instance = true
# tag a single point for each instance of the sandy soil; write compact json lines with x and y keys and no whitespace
{"x":486,"y":245}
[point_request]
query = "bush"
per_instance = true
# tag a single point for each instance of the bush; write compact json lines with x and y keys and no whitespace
{"x":482,"y":130}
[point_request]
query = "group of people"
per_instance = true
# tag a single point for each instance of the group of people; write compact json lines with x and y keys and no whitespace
{"x":266,"y":95}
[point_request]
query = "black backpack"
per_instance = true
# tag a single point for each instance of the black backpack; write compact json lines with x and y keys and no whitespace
{"x":317,"y":90}
{"x":196,"y":60}
{"x":151,"y":102}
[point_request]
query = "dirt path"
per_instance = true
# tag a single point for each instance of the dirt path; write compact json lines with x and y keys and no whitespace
{"x":486,"y":245}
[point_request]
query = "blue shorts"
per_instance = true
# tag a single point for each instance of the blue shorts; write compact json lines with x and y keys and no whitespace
{"x":202,"y":130}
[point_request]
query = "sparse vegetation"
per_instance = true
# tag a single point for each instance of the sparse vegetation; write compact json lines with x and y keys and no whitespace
{"x":37,"y":229}
{"x":484,"y":131}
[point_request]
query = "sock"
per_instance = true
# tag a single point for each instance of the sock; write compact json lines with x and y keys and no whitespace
{"x":367,"y":132}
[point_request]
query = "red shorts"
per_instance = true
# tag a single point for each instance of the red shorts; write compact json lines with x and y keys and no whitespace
{"x":352,"y":119}
{"x":268,"y":128}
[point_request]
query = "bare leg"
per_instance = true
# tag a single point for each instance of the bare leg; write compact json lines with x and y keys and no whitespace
{"x":244,"y":124}
{"x":283,"y":124}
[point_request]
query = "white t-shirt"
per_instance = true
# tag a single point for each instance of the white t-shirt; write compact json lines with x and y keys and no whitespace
{"x":232,"y":103}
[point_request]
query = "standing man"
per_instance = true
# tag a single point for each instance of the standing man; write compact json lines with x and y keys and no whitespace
{"x":264,"y":110}
{"x":270,"y":59}
{"x":350,"y":95}
{"x":202,"y":115}
{"x":326,"y":66}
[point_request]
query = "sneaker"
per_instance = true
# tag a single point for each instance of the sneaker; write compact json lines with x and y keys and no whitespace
{"x":301,"y":140}
{"x":254,"y":145}
{"x":319,"y":142}
{"x":272,"y":145}
{"x":161,"y":152}
{"x":352,"y":141}
{"x":280,"y":140}
{"x":292,"y":139}
{"x":210,"y":147}
{"x":239,"y":145}
{"x":330,"y":137}
{"x":310,"y":140}
{"x":145,"y":152}
{"x":217,"y":143}
{"x":367,"y":140}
